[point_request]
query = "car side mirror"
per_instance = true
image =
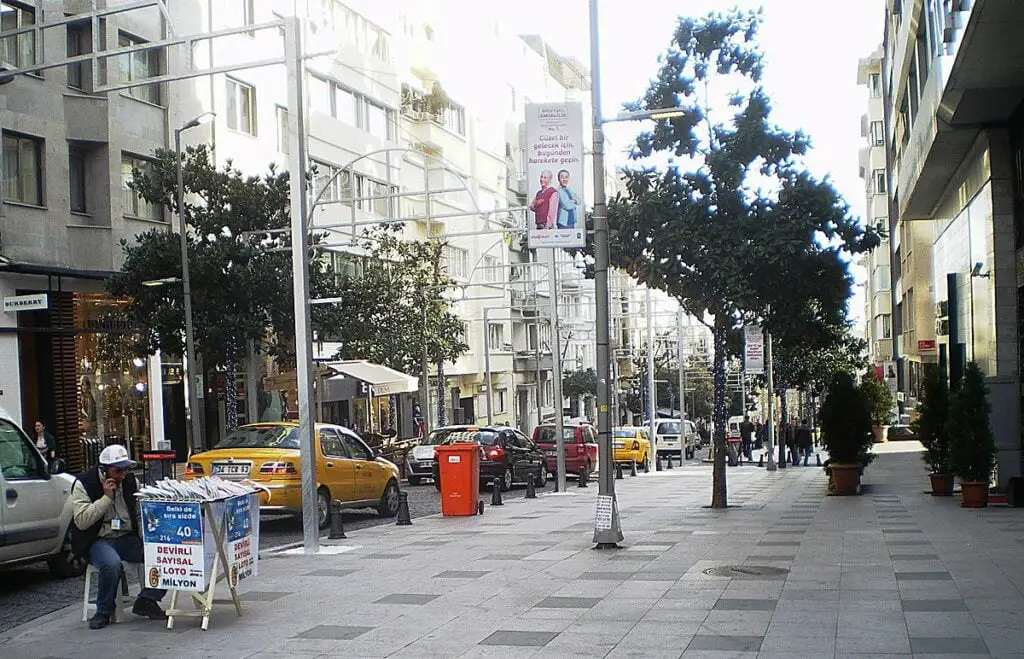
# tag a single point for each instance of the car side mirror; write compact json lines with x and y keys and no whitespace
{"x":58,"y":466}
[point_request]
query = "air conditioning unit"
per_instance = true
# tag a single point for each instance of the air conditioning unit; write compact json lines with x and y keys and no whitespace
{"x":942,"y":309}
{"x":941,"y":327}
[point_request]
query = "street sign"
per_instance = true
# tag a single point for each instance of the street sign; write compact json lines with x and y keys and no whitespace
{"x":753,"y":340}
{"x":36,"y":302}
{"x":926,"y":345}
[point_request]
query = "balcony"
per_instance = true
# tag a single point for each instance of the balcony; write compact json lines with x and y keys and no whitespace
{"x":525,"y":361}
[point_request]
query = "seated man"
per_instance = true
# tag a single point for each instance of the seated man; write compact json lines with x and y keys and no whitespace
{"x":106,"y":531}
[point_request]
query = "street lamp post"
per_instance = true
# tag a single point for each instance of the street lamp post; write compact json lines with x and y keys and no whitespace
{"x":186,"y":284}
{"x":652,"y":387}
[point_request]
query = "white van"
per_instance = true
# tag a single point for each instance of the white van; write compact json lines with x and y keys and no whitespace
{"x":672,"y":435}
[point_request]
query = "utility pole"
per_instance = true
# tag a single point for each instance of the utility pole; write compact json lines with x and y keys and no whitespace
{"x":556,"y":374}
{"x":771,"y":466}
{"x":652,"y":386}
{"x":682,"y":368}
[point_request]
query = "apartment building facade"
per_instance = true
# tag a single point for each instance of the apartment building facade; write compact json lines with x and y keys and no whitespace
{"x":951,"y":84}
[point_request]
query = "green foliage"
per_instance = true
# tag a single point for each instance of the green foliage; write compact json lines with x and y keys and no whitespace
{"x":578,"y":384}
{"x":391,"y":291}
{"x":933,"y":415}
{"x":972,"y":447}
{"x":878,"y":398}
{"x":846,"y":422}
{"x":241,"y":290}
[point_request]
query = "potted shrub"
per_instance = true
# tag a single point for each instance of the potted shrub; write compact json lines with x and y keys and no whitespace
{"x":972,"y":449}
{"x":930,"y":428}
{"x":879,"y":400}
{"x":846,"y":433}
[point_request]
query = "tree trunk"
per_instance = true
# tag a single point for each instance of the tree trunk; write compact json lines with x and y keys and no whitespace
{"x":230,"y":396}
{"x":441,"y":393}
{"x":719,"y":491}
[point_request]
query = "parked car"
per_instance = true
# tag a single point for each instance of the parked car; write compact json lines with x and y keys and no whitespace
{"x":901,"y":433}
{"x":675,"y":437}
{"x":35,"y":516}
{"x":268,"y":453}
{"x":579,"y":440}
{"x":505,"y":454}
{"x":631,"y":445}
{"x":419,"y":460}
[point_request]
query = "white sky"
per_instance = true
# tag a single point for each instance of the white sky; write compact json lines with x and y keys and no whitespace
{"x":811,"y":49}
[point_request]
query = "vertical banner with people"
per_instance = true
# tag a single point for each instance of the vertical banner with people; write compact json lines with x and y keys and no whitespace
{"x":554,"y":169}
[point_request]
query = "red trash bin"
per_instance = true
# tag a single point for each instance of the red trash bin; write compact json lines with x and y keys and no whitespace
{"x":459,"y":469}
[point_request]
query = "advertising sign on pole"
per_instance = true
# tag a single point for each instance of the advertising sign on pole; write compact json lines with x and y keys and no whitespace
{"x":242,"y":536}
{"x":753,"y":341}
{"x":554,"y":170}
{"x":172,"y":535}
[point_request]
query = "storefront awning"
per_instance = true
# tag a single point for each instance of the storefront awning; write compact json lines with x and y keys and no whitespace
{"x":383,"y":380}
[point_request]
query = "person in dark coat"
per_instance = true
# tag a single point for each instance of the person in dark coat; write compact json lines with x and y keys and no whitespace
{"x":804,"y":441}
{"x":747,"y":436}
{"x":45,"y":442}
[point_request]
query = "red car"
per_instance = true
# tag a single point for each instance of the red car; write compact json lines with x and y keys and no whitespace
{"x":580,"y":446}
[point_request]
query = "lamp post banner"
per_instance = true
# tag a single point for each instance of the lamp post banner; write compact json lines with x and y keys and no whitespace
{"x":554,"y":171}
{"x":753,"y":341}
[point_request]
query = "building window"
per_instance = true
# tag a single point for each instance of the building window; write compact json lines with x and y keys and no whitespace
{"x":282,"y":128}
{"x":134,"y":204}
{"x":346,"y":106}
{"x":20,"y":49}
{"x":455,"y":119}
{"x":496,"y":336}
{"x":378,"y":121}
{"x":241,"y":107}
{"x":246,"y":12}
{"x":492,"y":270}
{"x":880,"y":180}
{"x":501,"y":400}
{"x":354,"y":109}
{"x":456,"y":262}
{"x":877,"y":133}
{"x":139,"y":65}
{"x":79,"y":43}
{"x":883,"y":327}
{"x":875,"y":85}
{"x":23,"y":169}
{"x":882,"y":279}
{"x":76,"y":179}
{"x":355,"y":31}
{"x":338,"y":184}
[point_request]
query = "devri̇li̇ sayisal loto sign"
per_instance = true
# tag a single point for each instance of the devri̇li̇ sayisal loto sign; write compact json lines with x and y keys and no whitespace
{"x":554,"y":170}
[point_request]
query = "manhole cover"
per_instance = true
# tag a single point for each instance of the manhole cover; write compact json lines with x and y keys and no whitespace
{"x":746,"y":571}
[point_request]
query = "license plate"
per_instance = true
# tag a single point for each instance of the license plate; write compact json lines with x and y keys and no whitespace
{"x":550,"y":453}
{"x":230,"y":469}
{"x":620,"y":445}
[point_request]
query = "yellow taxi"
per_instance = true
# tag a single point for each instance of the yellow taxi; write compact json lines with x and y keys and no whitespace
{"x":631,"y":445}
{"x":268,"y":453}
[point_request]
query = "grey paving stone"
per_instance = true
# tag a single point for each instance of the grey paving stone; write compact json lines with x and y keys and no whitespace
{"x":913,"y":557}
{"x":900,"y":531}
{"x":770,"y":557}
{"x":406,"y":598}
{"x":778,"y":543}
{"x":708,"y":642}
{"x":504,"y":557}
{"x":605,"y":576}
{"x":657,"y":576}
{"x":386,"y":556}
{"x":329,"y":573}
{"x":334,"y":632}
{"x":724,"y":604}
{"x":784,"y":532}
{"x":461,"y":574}
{"x":568,"y":603}
{"x":906,"y":543}
{"x":934,"y":605}
{"x":923,"y":576}
{"x":944,"y":645}
{"x":519,"y":638}
{"x":262,"y":596}
{"x":625,"y":556}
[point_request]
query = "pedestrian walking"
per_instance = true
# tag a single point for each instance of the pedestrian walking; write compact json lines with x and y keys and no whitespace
{"x":794,"y":454}
{"x":747,"y":436}
{"x":760,"y":434}
{"x":804,"y":441}
{"x":45,"y":442}
{"x":417,"y":420}
{"x":105,"y":530}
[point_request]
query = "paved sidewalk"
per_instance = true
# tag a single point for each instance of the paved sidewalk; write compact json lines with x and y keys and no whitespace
{"x":893,"y":572}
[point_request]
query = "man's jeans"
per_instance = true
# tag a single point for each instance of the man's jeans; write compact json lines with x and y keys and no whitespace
{"x":106,"y":555}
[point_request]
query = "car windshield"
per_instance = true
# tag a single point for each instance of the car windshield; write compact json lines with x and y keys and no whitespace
{"x":668,"y":428}
{"x":625,"y":432}
{"x":261,"y":437}
{"x":463,"y":436}
{"x":546,"y":434}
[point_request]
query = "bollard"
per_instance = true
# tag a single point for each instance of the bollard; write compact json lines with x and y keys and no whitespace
{"x":404,"y":518}
{"x":817,"y":456}
{"x":647,"y":466}
{"x":583,"y":478}
{"x":668,"y":461}
{"x":480,"y":507}
{"x":555,"y":481}
{"x":632,"y":468}
{"x":618,"y":471}
{"x":807,"y":457}
{"x":337,"y":531}
{"x":760,"y":460}
{"x":657,"y":463}
{"x":496,"y":493}
{"x":531,"y":489}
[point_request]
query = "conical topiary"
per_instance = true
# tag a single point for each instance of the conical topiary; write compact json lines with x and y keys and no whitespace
{"x":846,"y":422}
{"x":933,"y":414}
{"x":972,"y":447}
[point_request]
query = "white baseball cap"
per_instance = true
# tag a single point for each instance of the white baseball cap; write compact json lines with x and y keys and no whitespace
{"x":116,"y":455}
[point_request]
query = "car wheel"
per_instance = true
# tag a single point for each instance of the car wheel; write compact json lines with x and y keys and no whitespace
{"x":507,"y":479}
{"x":388,"y":506}
{"x":323,"y":507}
{"x":542,"y":480}
{"x":65,"y":564}
{"x":415,"y":480}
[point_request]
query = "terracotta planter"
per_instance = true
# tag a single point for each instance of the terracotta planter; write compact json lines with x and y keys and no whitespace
{"x":881,"y":433}
{"x":845,"y":478}
{"x":942,"y":485}
{"x":974,"y":494}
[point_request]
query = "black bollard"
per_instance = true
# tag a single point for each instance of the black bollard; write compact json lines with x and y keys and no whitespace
{"x":583,"y":478}
{"x":657,"y":463}
{"x":555,"y":481}
{"x":668,"y":461}
{"x":496,"y":493}
{"x":647,"y":466}
{"x":817,"y":456}
{"x":531,"y":489}
{"x":404,"y":518}
{"x":618,"y":471}
{"x":480,"y":507}
{"x":337,"y":531}
{"x":632,"y":468}
{"x":760,"y":461}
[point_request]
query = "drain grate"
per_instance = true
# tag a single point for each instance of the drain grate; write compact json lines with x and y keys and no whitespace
{"x":746,"y":571}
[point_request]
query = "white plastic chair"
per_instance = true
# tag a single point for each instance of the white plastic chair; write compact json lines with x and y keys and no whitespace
{"x":123,"y":597}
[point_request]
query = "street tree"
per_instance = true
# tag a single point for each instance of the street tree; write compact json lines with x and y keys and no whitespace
{"x":579,"y":385}
{"x":735,"y":227}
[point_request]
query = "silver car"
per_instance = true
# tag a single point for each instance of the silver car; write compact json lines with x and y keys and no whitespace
{"x":35,"y":515}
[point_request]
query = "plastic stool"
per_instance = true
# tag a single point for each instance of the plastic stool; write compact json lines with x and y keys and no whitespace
{"x":89,"y":606}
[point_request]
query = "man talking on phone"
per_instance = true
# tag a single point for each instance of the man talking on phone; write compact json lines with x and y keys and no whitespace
{"x":106,"y":531}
